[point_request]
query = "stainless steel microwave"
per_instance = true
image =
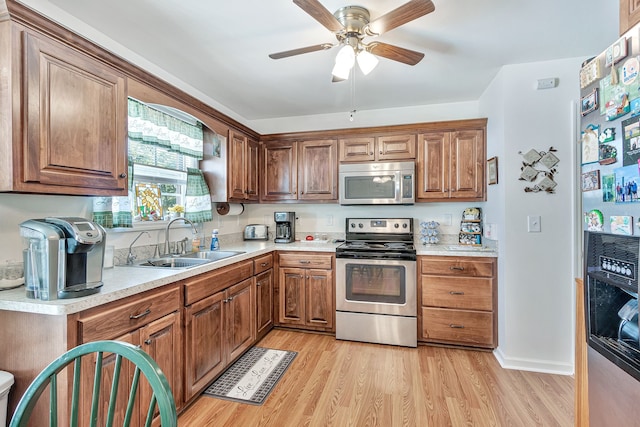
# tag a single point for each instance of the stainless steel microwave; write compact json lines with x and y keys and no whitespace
{"x":377,"y":183}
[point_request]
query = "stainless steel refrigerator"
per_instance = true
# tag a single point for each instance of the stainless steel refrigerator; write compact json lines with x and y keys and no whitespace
{"x":610,"y":184}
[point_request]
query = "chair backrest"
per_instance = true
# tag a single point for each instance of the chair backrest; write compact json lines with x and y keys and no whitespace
{"x":162,"y":397}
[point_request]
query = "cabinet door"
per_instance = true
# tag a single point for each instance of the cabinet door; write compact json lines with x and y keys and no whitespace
{"x":396,"y":147}
{"x":320,"y":300}
{"x":433,"y":166}
{"x":124,"y":385}
{"x":161,"y":339}
{"x":292,"y":299}
{"x":241,"y":318}
{"x":237,"y":170}
{"x":204,"y":343}
{"x":74,"y":144}
{"x":252,"y":169}
{"x":357,"y":149}
{"x":317,"y":170}
{"x":467,"y":165}
{"x":279,"y":171}
{"x":629,"y":14}
{"x":264,"y":302}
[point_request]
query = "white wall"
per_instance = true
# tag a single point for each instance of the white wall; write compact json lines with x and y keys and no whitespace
{"x":536,"y":273}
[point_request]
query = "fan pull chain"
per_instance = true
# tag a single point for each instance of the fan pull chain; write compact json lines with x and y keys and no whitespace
{"x":353,"y":94}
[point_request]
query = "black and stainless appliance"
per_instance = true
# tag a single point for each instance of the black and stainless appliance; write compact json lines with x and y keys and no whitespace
{"x":376,"y":183}
{"x":285,"y":227}
{"x":256,"y":232}
{"x":376,"y":282}
{"x":63,"y":257}
{"x":611,"y":303}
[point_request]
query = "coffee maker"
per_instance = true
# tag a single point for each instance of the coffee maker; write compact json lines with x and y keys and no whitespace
{"x":285,"y":227}
{"x":63,"y":257}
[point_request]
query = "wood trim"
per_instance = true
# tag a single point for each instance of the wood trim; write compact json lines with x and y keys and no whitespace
{"x":451,"y":125}
{"x":581,"y":406}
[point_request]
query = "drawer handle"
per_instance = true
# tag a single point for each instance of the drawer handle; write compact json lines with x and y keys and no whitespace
{"x":456,"y":268}
{"x":456,"y":326}
{"x":304,"y":261}
{"x":264,"y":264}
{"x":141,"y":315}
{"x":456,"y":293}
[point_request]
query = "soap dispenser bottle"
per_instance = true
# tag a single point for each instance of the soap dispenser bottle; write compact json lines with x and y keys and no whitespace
{"x":215,"y":243}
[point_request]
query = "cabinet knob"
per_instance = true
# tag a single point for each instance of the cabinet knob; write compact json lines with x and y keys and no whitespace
{"x":123,"y":175}
{"x":380,"y":151}
{"x":264,"y":264}
{"x":148,"y":342}
{"x":371,"y":153}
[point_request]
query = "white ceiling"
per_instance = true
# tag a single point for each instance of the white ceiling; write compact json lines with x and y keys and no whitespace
{"x":221,"y":47}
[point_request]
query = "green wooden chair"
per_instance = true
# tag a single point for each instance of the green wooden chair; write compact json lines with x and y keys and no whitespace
{"x":162,"y":396}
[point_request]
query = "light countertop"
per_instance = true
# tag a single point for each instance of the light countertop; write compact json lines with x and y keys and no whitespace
{"x":121,"y":282}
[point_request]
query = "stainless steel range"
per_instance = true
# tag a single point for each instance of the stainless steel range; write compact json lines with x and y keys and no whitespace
{"x":376,"y":282}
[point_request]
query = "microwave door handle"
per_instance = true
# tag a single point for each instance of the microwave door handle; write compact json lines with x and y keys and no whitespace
{"x":397,"y":175}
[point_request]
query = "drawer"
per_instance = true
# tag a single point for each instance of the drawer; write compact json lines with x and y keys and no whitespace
{"x":472,"y":293}
{"x":203,"y":285}
{"x":115,"y":319}
{"x":306,"y":260}
{"x":458,"y":266}
{"x":458,"y":326}
{"x":262,"y":263}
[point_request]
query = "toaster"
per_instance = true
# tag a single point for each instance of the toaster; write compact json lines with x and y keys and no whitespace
{"x":256,"y":232}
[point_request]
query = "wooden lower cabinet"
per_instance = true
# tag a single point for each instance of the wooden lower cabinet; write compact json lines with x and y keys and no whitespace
{"x":150,"y":320}
{"x":218,"y":329}
{"x":306,"y":291}
{"x":458,"y":301}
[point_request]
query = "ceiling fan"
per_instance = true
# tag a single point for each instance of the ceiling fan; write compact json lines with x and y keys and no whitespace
{"x":350,"y":25}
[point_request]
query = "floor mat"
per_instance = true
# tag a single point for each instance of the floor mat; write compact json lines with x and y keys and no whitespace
{"x":252,"y":377}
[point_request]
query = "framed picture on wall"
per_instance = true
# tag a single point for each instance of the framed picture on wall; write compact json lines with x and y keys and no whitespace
{"x":589,"y":102}
{"x":492,"y":171}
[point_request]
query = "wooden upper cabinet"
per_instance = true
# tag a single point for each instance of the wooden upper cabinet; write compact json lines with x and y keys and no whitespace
{"x":629,"y":14}
{"x":317,"y":170}
{"x":243,"y":168}
{"x":451,"y":166}
{"x":369,"y":148}
{"x":300,"y":170}
{"x":279,"y":171}
{"x":75,"y":112}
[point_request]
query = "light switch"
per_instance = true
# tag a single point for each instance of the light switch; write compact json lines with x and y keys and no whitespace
{"x":533,"y":224}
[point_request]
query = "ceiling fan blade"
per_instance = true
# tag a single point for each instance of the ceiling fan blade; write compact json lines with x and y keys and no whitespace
{"x":400,"y":54}
{"x":300,"y":51}
{"x":320,"y":14}
{"x":399,"y":16}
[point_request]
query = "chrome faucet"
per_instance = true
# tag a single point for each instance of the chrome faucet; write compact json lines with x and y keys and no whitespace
{"x":130,"y":256}
{"x":166,"y":231}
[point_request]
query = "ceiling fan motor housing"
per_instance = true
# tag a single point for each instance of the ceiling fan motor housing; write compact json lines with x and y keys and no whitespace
{"x":354,"y":19}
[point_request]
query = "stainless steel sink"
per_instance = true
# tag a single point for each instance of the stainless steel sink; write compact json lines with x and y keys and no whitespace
{"x":185,"y":261}
{"x":211,"y":255}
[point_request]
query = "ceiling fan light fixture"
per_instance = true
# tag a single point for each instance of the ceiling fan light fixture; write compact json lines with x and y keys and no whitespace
{"x":367,"y":62}
{"x":341,"y":72}
{"x":346,"y":56}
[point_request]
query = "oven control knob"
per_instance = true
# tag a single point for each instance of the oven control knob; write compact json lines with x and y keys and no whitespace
{"x":396,"y":225}
{"x":404,"y":225}
{"x":360,"y":225}
{"x":353,"y":225}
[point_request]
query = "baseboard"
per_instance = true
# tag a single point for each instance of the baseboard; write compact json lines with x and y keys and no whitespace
{"x":533,"y":365}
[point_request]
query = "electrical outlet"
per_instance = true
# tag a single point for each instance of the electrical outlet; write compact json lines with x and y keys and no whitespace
{"x":329,"y":220}
{"x":533,"y":224}
{"x":446,"y":219}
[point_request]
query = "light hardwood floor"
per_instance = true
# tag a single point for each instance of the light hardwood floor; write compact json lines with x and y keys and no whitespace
{"x":339,"y":383}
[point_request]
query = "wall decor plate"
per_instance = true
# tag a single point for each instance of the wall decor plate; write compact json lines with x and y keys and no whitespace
{"x":531,"y":156}
{"x":616,"y":52}
{"x":589,"y":144}
{"x":549,"y":160}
